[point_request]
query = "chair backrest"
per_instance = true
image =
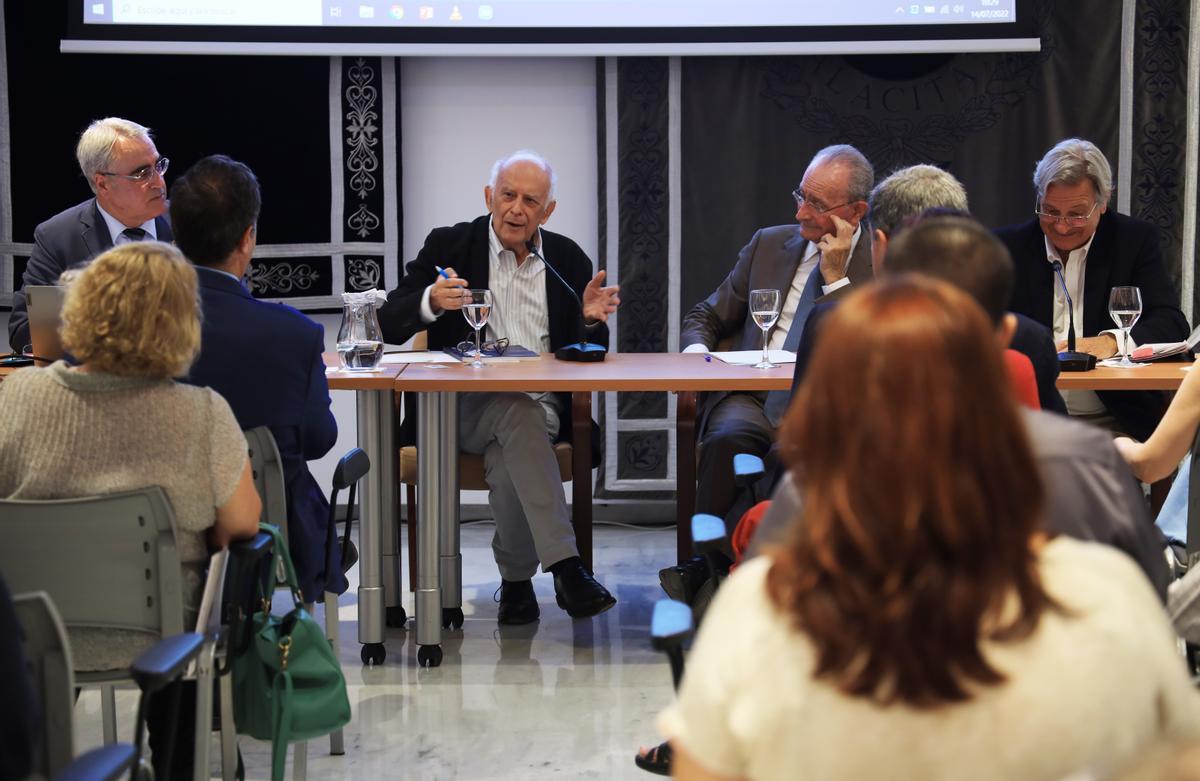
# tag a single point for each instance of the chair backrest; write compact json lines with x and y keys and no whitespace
{"x":44,"y":641}
{"x":266,"y":466}
{"x":125,"y":541}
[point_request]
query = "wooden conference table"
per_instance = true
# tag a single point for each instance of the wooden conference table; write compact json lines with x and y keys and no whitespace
{"x":439,"y":564}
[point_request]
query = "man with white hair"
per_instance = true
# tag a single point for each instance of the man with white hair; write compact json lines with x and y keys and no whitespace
{"x":532,"y":307}
{"x":1099,"y":250}
{"x":122,"y":166}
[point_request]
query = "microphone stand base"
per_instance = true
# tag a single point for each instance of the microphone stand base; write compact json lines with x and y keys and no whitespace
{"x":1076,"y":362}
{"x":581,"y":352}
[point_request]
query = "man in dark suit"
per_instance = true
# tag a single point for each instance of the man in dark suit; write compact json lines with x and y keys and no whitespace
{"x":1099,"y":250}
{"x":265,"y":359}
{"x":823,"y":256}
{"x":122,"y":166}
{"x":513,"y":431}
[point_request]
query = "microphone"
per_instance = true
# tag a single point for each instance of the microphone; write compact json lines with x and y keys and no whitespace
{"x":581,"y":351}
{"x":1071,"y":361}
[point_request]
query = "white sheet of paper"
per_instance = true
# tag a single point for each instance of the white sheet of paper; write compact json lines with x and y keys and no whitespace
{"x":751,"y":357}
{"x":432,"y":356}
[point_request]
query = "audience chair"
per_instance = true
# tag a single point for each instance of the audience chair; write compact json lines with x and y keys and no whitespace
{"x":44,"y":639}
{"x":266,"y":467}
{"x":471,"y":478}
{"x":350,"y":469}
{"x":125,"y":541}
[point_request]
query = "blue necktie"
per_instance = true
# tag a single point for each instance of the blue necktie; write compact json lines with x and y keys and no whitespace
{"x":777,"y":400}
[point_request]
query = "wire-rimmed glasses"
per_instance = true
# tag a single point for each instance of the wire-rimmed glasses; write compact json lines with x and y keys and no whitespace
{"x":764,"y":308}
{"x":1125,"y":307}
{"x":801,"y":198}
{"x":477,"y":307}
{"x":143,"y":174}
{"x":1073,"y":220}
{"x":493,"y":349}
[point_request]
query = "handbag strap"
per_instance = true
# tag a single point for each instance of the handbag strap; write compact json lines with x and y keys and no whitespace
{"x":281,"y":554}
{"x":282,"y":694}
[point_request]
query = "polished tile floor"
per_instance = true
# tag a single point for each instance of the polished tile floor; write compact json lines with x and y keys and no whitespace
{"x":556,"y":699}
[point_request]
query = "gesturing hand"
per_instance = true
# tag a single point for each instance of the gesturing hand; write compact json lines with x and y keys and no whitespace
{"x":599,"y":302}
{"x":447,"y":293}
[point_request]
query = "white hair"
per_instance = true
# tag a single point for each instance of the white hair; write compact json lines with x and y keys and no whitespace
{"x":1071,"y":161}
{"x":861,"y":173}
{"x":95,"y":148}
{"x":525,"y":156}
{"x":910,"y":191}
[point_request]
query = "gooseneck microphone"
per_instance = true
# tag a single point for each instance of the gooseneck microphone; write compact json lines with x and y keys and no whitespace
{"x":1071,"y":361}
{"x":581,"y":351}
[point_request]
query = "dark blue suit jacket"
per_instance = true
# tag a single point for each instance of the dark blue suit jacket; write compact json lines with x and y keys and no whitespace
{"x":69,"y":237}
{"x":265,"y":359}
{"x":1125,"y":251}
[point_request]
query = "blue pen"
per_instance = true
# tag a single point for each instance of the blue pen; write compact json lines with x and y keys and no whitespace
{"x":442,"y":272}
{"x":707,"y":358}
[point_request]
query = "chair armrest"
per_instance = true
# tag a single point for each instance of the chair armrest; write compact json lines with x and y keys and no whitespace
{"x":708,"y":533}
{"x":670,"y":624}
{"x":107,"y":763}
{"x":166,"y":661}
{"x":747,"y":469}
{"x":351,"y":468}
{"x":250,"y":550}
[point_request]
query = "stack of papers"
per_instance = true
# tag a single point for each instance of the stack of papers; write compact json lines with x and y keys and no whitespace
{"x":1152,"y":352}
{"x":751,"y":357}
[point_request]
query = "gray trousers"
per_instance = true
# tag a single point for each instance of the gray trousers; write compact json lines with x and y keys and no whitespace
{"x":511,"y":432}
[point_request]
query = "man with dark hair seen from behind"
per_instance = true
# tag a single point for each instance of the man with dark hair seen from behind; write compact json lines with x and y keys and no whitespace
{"x":122,"y":166}
{"x":1099,"y":250}
{"x":265,"y":359}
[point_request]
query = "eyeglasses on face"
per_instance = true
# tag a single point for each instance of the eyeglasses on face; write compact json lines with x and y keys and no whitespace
{"x":814,"y":204}
{"x":490,"y":349}
{"x":145,"y":173}
{"x":1074,"y":220}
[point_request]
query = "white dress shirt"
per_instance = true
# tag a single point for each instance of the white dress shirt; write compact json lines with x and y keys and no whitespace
{"x":115,"y":227}
{"x":812,"y":257}
{"x":1079,"y":402}
{"x":520,"y":311}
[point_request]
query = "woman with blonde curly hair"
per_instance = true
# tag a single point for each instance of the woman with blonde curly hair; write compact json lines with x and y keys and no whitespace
{"x":118,"y":421}
{"x":915,"y":622}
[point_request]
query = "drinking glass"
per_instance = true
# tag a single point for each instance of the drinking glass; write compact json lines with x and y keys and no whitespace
{"x":1125,"y":307}
{"x":476,"y":308}
{"x":764,"y":308}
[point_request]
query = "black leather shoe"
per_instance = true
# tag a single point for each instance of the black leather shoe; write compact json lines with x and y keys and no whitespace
{"x":518,"y":603}
{"x":683,"y":582}
{"x":577,"y":592}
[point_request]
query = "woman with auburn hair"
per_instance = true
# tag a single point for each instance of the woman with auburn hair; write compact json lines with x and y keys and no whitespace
{"x":915,"y":623}
{"x":118,"y":421}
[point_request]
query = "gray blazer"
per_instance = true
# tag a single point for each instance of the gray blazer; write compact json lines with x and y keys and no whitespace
{"x":770,"y":260}
{"x":69,"y":237}
{"x":1090,"y":495}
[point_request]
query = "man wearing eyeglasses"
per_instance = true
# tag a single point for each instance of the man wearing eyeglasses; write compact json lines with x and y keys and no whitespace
{"x":822,"y":256}
{"x":1099,"y":250}
{"x":122,"y":166}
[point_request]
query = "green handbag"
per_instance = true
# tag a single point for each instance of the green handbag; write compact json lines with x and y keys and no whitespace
{"x":287,"y":682}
